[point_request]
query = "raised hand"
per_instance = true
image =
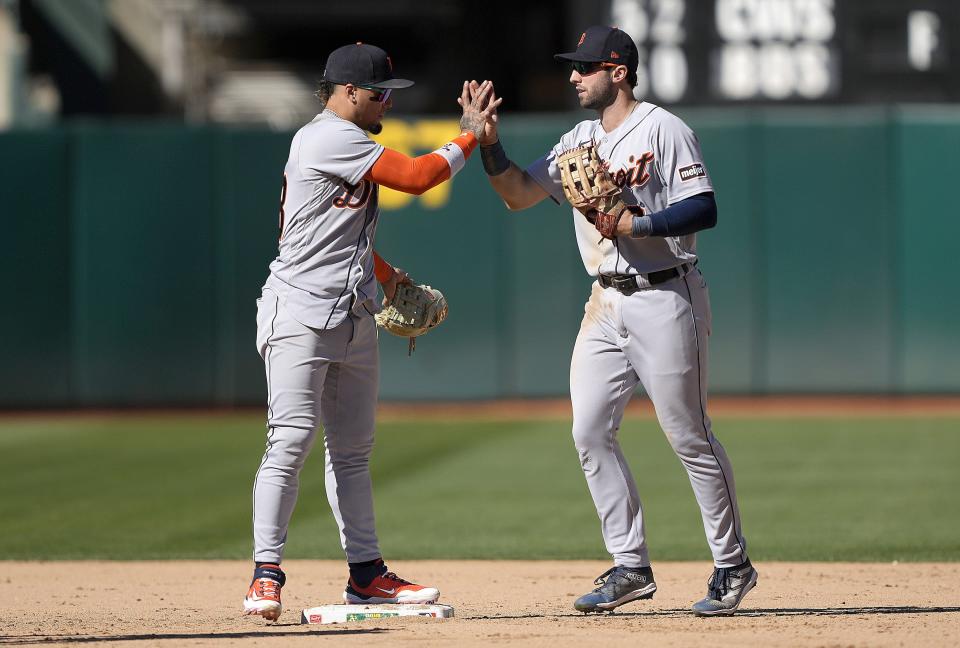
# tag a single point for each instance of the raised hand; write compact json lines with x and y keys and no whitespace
{"x":490,"y":128}
{"x":479,"y":108}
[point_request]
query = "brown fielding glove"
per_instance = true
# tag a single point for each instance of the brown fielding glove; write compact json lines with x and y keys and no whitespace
{"x":413,"y":311}
{"x":588,"y":187}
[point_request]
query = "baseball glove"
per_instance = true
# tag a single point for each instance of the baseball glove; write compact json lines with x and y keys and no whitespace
{"x":413,"y":311}
{"x":588,"y":187}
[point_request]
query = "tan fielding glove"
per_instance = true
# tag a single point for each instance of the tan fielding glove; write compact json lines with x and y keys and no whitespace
{"x":588,"y":187}
{"x":413,"y":311}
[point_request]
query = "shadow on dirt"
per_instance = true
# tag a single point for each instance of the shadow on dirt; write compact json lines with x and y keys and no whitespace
{"x":754,"y":612}
{"x":49,"y":640}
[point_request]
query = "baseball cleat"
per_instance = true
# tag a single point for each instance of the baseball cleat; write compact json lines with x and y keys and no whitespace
{"x":389,"y":588}
{"x":618,"y":585}
{"x":726,"y":589}
{"x":263,"y":597}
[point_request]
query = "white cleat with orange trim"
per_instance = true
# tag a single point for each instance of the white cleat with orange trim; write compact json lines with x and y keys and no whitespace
{"x":389,"y":588}
{"x":263,"y":597}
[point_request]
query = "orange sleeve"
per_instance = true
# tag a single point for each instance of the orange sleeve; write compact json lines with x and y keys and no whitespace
{"x":382,"y":269}
{"x":467,"y":142}
{"x":416,"y":175}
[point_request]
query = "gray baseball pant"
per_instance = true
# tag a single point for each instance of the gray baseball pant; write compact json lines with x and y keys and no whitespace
{"x":656,"y":337}
{"x":314,"y":378}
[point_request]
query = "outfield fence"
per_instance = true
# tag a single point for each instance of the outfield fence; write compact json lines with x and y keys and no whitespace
{"x":133,"y":254}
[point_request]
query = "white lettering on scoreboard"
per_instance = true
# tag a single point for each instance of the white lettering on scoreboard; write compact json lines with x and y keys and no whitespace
{"x":657,"y":28}
{"x":775,"y":49}
{"x":923,"y":28}
{"x":718,"y":51}
{"x":768,"y":50}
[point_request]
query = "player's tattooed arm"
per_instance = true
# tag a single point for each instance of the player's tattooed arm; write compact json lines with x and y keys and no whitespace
{"x":478,"y":106}
{"x":489,"y":136}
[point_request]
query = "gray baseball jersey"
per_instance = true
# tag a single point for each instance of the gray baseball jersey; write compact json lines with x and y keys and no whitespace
{"x":330,"y":213}
{"x":656,"y":336}
{"x":656,"y":158}
{"x":317,"y":336}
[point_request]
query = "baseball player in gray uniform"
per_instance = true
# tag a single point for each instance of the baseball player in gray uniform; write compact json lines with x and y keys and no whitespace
{"x":647,"y":320}
{"x":315,"y":326}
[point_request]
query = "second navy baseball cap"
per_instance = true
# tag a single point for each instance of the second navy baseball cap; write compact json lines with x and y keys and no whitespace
{"x":363,"y":65}
{"x":604,"y":44}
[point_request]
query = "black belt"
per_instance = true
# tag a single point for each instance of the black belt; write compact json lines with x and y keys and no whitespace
{"x":627,"y":284}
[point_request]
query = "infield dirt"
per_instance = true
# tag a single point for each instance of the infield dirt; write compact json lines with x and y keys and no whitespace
{"x":197,"y":603}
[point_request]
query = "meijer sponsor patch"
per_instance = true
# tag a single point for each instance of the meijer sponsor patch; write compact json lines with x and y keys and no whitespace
{"x":693,"y":171}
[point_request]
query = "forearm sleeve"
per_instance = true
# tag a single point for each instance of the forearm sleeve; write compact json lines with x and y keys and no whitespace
{"x":419,"y":174}
{"x":685,"y":217}
{"x":381,"y":269}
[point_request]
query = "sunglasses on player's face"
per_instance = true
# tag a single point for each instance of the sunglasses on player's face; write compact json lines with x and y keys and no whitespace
{"x":584,"y":68}
{"x":379,"y":95}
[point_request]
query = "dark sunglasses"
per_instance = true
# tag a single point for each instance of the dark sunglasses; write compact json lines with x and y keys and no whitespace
{"x":379,"y":94}
{"x":583,"y":68}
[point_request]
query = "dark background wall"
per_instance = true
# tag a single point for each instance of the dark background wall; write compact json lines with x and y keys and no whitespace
{"x":133,"y":254}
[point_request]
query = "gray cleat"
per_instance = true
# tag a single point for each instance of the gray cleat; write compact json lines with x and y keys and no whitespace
{"x":618,"y":585}
{"x":726,"y":589}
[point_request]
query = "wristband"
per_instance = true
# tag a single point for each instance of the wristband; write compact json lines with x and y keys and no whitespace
{"x":454,"y":155}
{"x":641,"y":227}
{"x":494,"y":159}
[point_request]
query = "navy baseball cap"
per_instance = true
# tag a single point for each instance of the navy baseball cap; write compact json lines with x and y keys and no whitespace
{"x":604,"y":44}
{"x":362,"y":65}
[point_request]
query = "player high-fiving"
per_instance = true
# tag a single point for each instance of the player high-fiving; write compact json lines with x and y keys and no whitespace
{"x":315,"y":318}
{"x":640,"y":191}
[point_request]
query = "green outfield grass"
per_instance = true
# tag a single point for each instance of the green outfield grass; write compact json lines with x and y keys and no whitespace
{"x":179,"y":487}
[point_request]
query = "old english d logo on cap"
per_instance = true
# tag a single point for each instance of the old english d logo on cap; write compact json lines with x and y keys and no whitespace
{"x":601,"y":43}
{"x":362,"y":64}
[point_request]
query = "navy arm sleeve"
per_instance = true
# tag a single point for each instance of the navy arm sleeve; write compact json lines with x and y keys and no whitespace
{"x":685,"y":217}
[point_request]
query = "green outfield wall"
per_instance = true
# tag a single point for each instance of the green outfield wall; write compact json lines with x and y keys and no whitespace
{"x":132,"y":255}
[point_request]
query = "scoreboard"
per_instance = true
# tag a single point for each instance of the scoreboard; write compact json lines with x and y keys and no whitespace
{"x":794,"y":51}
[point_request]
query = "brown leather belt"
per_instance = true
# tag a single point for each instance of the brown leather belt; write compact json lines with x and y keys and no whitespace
{"x":627,"y":284}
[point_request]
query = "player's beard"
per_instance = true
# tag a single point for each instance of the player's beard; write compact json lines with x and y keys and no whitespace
{"x":375,"y":129}
{"x":603,"y":95}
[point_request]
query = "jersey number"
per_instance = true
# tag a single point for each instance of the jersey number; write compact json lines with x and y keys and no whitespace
{"x":283,"y":199}
{"x":354,"y":196}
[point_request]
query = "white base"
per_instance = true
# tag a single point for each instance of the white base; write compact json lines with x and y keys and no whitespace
{"x":324,"y":614}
